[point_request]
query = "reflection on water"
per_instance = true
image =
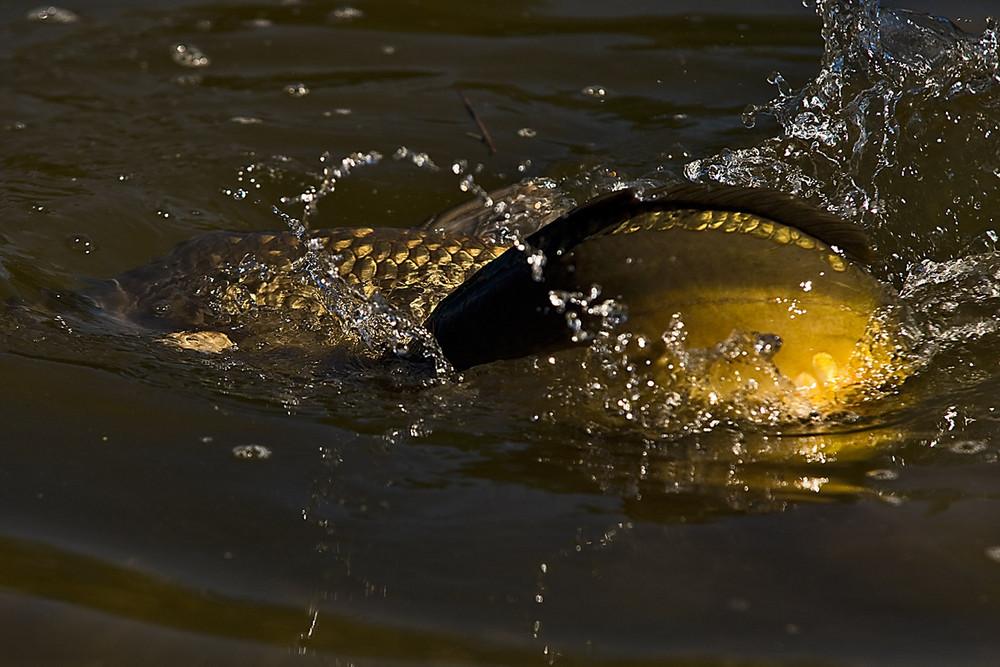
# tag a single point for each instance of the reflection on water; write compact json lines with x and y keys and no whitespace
{"x":527,"y":511}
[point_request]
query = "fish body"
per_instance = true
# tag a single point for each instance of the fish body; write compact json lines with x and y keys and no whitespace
{"x":740,"y":273}
{"x":217,"y":280}
{"x":775,"y":293}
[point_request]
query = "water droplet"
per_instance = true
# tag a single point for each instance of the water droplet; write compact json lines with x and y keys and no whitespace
{"x":536,"y":262}
{"x":784,"y":90}
{"x":527,"y":133}
{"x":345,"y":14}
{"x":188,"y":55}
{"x":52,"y":15}
{"x":82,"y":243}
{"x":251,"y":452}
{"x":418,"y":159}
{"x":767,"y":345}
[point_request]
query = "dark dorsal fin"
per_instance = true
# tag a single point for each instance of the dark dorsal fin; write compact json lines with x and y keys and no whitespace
{"x":503,"y":311}
{"x":526,"y":207}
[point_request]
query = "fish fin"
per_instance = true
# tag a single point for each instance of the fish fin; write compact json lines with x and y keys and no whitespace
{"x":505,"y":310}
{"x":526,"y":207}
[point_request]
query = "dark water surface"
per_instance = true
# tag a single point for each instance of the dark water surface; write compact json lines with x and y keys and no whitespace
{"x":162,"y":507}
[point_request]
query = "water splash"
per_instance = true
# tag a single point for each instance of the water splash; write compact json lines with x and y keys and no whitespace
{"x":378,"y":329}
{"x":417,"y":159}
{"x":900,"y":131}
{"x":903,"y":103}
{"x":588,"y":316}
{"x":899,"y":126}
{"x":331,"y":174}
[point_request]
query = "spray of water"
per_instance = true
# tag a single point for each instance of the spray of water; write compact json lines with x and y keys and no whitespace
{"x":900,"y":131}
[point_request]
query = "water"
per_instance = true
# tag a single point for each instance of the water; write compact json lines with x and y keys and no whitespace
{"x":165,"y":507}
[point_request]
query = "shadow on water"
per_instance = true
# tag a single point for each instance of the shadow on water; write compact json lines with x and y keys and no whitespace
{"x":274,"y":506}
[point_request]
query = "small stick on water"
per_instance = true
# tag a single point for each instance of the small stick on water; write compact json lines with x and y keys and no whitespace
{"x":484,"y":134}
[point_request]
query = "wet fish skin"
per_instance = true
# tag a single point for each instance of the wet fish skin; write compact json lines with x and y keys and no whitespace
{"x":725,"y":263}
{"x":729,"y":261}
{"x":214,"y":280}
{"x":218,"y":279}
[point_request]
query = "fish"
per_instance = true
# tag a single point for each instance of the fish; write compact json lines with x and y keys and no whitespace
{"x":776,"y":294}
{"x":779,"y":290}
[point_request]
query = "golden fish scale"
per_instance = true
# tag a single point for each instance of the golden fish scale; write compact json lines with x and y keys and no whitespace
{"x":412,"y":269}
{"x":731,"y":222}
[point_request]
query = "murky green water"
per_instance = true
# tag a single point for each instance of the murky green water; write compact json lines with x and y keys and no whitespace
{"x":163,"y":507}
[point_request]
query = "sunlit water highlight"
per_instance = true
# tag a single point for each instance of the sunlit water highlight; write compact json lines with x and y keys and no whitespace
{"x":552,"y":509}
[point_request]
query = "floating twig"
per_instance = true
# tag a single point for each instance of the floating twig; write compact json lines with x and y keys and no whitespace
{"x":484,"y":134}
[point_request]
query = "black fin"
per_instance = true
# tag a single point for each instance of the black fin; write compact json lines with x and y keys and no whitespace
{"x":504,"y":310}
{"x":526,"y":208}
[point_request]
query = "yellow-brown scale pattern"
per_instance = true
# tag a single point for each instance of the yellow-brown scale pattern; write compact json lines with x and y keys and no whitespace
{"x":412,"y":269}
